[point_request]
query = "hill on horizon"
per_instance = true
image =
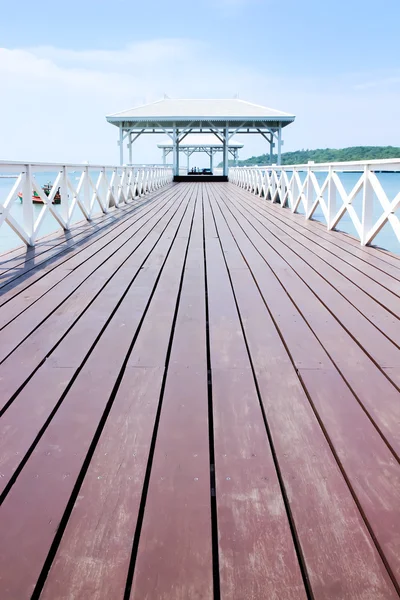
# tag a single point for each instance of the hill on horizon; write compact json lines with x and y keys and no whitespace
{"x":319,"y":155}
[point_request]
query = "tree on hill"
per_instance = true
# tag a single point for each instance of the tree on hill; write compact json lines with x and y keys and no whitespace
{"x":324,"y":155}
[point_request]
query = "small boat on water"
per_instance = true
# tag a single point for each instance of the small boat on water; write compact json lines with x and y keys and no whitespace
{"x":36,"y":199}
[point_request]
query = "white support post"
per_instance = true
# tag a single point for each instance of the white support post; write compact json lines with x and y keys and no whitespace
{"x":309,"y":194}
{"x":177,"y":151}
{"x":130,"y":148}
{"x":225,"y":150}
{"x":174,"y":150}
{"x":331,"y":199}
{"x":211,"y":159}
{"x":64,"y":207}
{"x":27,"y":205}
{"x":188,"y":160}
{"x":121,"y":146}
{"x":367,"y":207}
{"x":271,"y":150}
{"x":279,"y":161}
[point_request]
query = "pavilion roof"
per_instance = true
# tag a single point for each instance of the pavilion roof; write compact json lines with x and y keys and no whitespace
{"x":183,"y":111}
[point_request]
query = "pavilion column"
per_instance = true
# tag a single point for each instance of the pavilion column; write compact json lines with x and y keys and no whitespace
{"x":271,"y":149}
{"x":225,"y":150}
{"x":174,"y":150}
{"x":188,"y":159}
{"x":130,"y":147}
{"x":211,"y":160}
{"x":121,"y":145}
{"x":177,"y":151}
{"x":279,"y":145}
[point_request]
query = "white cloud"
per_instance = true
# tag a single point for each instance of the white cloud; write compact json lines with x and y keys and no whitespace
{"x":54,"y":101}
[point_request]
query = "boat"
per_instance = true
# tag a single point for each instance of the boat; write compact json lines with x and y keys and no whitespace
{"x":36,"y":199}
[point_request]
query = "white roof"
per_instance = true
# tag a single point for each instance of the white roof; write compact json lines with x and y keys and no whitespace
{"x":201,"y":140}
{"x":179,"y":110}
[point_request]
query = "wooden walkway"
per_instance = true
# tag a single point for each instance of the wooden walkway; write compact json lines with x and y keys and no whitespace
{"x":200,"y":399}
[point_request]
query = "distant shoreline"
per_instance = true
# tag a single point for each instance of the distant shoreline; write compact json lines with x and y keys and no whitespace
{"x":323,"y":155}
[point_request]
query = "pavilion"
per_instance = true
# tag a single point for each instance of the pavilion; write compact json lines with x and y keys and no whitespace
{"x":180,"y":117}
{"x":207,"y":143}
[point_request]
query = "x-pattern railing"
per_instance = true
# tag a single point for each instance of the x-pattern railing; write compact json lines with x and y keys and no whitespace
{"x":292,"y":185}
{"x":99,"y":189}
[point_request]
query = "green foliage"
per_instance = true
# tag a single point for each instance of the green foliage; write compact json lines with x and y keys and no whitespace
{"x":301,"y":157}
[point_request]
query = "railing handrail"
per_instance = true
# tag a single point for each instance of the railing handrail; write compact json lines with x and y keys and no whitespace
{"x":16,"y":163}
{"x":284,"y":186}
{"x":343,"y":165}
{"x":99,"y":187}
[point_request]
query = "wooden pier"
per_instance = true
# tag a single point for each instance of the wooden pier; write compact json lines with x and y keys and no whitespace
{"x":199,"y":399}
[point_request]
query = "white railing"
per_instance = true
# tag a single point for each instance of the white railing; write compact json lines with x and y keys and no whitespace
{"x":323,"y":186}
{"x":88,"y":189}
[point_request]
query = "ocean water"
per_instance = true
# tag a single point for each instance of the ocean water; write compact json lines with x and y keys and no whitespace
{"x":385,"y":239}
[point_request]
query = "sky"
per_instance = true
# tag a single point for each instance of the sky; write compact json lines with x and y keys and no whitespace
{"x":64,"y":66}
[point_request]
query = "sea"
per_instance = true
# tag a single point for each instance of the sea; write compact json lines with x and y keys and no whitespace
{"x":386,"y":238}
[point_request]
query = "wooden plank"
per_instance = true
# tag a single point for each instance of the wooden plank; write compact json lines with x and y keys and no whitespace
{"x":371,"y":468}
{"x":362,"y":375}
{"x":52,"y":270}
{"x":21,"y":363}
{"x":369,"y":259}
{"x":40,"y":280}
{"x":336,"y":293}
{"x":19,"y":426}
{"x":175,"y":538}
{"x":257,"y":555}
{"x":45,"y":242}
{"x":27,"y":529}
{"x":101,"y":528}
{"x":368,"y":278}
{"x":379,"y":256}
{"x":340,"y":556}
{"x":17,"y":263}
{"x":377,"y":292}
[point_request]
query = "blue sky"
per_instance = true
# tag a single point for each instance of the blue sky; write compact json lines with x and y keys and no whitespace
{"x":64,"y":66}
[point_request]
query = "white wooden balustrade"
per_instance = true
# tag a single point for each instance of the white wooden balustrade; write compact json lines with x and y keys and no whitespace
{"x":89,"y":189}
{"x":322,"y":185}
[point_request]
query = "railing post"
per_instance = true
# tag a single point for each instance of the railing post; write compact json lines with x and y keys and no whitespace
{"x":27,"y":205}
{"x":367,"y":207}
{"x":86,"y":192}
{"x":331,"y":199}
{"x":273,"y":184}
{"x":64,"y":196}
{"x":106,"y":198}
{"x":309,"y":193}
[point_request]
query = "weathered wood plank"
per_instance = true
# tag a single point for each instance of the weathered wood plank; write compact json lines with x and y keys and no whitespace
{"x":366,"y":380}
{"x":334,"y":255}
{"x":349,"y":305}
{"x":20,"y":262}
{"x":253,"y":563}
{"x":340,"y":556}
{"x":369,"y":260}
{"x":19,"y":426}
{"x":175,"y":538}
{"x":73,"y":274}
{"x":49,"y":476}
{"x":93,"y":557}
{"x":29,"y":355}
